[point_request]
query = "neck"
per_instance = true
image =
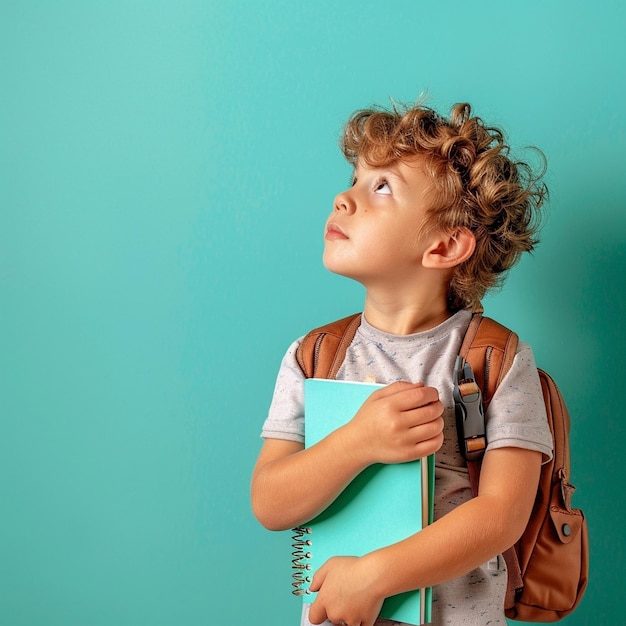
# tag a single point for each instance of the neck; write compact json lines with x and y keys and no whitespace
{"x":405,"y":318}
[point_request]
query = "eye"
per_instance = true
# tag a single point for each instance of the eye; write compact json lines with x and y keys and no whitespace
{"x":382,"y":187}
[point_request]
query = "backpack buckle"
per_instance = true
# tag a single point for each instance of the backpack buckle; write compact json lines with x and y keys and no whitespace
{"x":469,"y":412}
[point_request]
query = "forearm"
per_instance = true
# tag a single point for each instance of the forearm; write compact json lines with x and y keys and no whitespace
{"x":469,"y":535}
{"x":354,"y":589}
{"x":454,"y":545}
{"x":293,"y":488}
{"x":397,"y":423}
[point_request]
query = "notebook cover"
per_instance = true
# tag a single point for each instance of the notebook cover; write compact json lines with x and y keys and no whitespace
{"x":381,"y":506}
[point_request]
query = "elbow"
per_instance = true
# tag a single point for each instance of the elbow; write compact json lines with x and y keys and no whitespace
{"x":505,"y":526}
{"x":268,"y":519}
{"x":272,"y":525}
{"x":265,"y":513}
{"x":512,"y":525}
{"x":517,"y":528}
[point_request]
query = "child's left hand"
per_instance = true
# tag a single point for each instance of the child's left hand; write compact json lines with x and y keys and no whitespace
{"x":345,"y":592}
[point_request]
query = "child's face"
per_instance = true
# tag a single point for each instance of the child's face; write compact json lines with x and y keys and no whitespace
{"x":375,"y":230}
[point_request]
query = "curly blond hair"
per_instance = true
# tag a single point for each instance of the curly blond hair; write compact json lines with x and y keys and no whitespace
{"x":478,"y":185}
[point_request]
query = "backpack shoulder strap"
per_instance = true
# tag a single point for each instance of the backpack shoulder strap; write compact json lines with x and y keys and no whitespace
{"x":490,"y":348}
{"x":322,"y":350}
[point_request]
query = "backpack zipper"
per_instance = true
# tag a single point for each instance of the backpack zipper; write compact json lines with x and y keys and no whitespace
{"x":488,"y":353}
{"x":316,"y":351}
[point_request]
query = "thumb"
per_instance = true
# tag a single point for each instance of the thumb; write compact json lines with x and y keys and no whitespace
{"x":318,"y":579}
{"x":317,"y":613}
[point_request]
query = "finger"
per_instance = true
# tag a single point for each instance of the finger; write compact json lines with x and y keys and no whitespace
{"x":317,"y":613}
{"x":426,"y":447}
{"x":318,"y":579}
{"x":413,"y":398}
{"x":394,"y":388}
{"x":424,"y":423}
{"x":413,"y":416}
{"x":422,"y":415}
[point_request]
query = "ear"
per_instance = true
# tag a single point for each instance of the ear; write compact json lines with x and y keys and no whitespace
{"x":449,"y":250}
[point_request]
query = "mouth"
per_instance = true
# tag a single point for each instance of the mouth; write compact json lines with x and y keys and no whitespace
{"x":334,"y":232}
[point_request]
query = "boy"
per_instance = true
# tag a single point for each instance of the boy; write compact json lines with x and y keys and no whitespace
{"x":436,"y":215}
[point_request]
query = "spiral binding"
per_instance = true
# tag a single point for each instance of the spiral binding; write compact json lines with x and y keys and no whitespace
{"x":300,"y":560}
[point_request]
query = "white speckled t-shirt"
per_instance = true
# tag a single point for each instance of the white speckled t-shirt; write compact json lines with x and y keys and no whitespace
{"x":516,"y":417}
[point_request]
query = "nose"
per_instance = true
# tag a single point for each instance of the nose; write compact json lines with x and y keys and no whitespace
{"x":344,"y":203}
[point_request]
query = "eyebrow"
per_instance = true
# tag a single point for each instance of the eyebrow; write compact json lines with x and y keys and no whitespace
{"x":386,"y":170}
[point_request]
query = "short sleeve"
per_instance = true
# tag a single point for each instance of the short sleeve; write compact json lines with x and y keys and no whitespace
{"x":285,"y":419}
{"x":516,"y":416}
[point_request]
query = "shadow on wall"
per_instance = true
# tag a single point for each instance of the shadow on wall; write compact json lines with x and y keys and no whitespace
{"x":588,"y":296}
{"x":588,"y":300}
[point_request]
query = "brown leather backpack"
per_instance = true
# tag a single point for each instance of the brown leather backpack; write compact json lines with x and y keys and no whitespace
{"x":548,"y":567}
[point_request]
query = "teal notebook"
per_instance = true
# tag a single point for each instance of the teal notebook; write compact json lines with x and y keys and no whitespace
{"x":384,"y":504}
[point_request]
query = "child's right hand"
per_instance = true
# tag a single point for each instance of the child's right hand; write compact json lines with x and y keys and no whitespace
{"x":398,"y":423}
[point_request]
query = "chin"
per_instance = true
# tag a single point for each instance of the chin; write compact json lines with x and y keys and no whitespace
{"x":332,"y":265}
{"x":340,"y":271}
{"x":341,"y":266}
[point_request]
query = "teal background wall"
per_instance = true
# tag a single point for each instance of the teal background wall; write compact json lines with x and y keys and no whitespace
{"x":165,"y":172}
